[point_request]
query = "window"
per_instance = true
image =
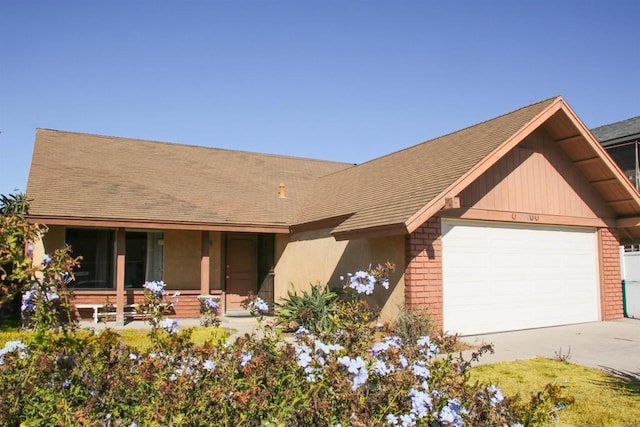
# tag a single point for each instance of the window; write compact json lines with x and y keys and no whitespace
{"x":626,"y":157}
{"x":97,"y":249}
{"x":143,"y":257}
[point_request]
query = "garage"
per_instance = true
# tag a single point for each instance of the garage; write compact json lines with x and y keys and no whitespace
{"x":500,"y":276}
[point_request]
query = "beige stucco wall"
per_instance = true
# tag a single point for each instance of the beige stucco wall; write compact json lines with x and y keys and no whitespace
{"x":182,"y":259}
{"x":315,"y":256}
{"x":54,"y":239}
{"x":182,"y":252}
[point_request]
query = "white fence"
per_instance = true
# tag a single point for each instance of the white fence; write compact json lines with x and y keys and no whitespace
{"x":630,"y":269}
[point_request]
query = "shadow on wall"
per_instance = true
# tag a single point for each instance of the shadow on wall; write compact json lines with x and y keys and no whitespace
{"x":359,"y":255}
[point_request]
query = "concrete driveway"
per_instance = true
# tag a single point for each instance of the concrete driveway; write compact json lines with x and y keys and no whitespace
{"x":612,"y":346}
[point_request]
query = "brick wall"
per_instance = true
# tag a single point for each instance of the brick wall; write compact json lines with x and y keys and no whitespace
{"x":610,"y":278}
{"x":423,"y":274}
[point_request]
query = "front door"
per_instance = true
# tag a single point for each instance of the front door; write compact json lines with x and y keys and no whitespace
{"x":242,"y":268}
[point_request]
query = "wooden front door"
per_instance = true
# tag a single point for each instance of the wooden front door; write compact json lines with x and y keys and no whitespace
{"x":241,"y":269}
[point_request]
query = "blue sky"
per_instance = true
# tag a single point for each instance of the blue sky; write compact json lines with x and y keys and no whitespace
{"x":336,"y":80}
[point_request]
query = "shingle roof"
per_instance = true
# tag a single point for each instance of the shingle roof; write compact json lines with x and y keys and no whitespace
{"x":76,"y":175}
{"x":91,"y":176}
{"x":391,"y":189}
{"x":615,"y":133}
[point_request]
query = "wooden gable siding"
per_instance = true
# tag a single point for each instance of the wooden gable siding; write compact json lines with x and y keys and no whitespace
{"x":535,"y":178}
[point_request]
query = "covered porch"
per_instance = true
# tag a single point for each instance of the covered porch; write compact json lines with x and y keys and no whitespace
{"x":227,"y":263}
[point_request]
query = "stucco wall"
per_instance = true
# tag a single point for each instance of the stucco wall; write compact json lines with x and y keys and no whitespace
{"x":54,"y":239}
{"x":182,"y":252}
{"x":182,"y":259}
{"x":315,"y":256}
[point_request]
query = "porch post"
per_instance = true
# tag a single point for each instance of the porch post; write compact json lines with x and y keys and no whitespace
{"x":120,"y":250}
{"x":204,"y":264}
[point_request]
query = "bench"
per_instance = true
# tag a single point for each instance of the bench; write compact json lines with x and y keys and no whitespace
{"x":101,"y":310}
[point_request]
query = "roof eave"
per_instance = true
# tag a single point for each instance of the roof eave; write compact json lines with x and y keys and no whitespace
{"x":371,"y":232}
{"x":157,"y":225}
{"x":439,"y":202}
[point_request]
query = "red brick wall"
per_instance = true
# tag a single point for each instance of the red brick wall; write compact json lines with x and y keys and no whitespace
{"x":423,"y":274}
{"x":610,"y":278}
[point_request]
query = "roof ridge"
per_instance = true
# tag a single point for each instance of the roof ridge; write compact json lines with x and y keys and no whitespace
{"x":615,"y":123}
{"x":459,"y":130}
{"x":282,"y":156}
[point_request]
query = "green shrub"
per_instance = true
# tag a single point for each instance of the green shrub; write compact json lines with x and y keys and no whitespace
{"x":412,"y":324}
{"x":314,"y":311}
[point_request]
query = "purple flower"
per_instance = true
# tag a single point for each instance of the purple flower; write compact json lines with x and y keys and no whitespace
{"x":211,"y":304}
{"x":28,"y":301}
{"x":450,"y":414}
{"x":357,"y":368}
{"x":420,"y":371}
{"x":496,"y":394}
{"x":408,"y":420}
{"x":170,"y":325}
{"x":389,"y":342}
{"x":156,"y":288}
{"x":15,"y":346}
{"x":304,"y":355}
{"x":382,"y":368}
{"x":427,"y":347}
{"x":209,"y":365}
{"x":246,"y":357}
{"x":259,"y":306}
{"x":392,"y":419}
{"x":420,"y":403}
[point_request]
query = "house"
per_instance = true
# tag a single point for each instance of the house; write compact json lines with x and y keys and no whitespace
{"x":621,"y":140}
{"x":512,"y":223}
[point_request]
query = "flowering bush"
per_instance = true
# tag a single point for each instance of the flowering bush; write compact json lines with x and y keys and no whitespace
{"x":157,"y":302}
{"x":42,"y":286}
{"x":209,"y":310}
{"x":97,"y":380}
{"x":46,"y":301}
{"x":256,"y":305}
{"x":349,"y":375}
{"x":364,"y":282}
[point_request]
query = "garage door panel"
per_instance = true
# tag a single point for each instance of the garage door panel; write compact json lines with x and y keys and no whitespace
{"x":505,"y":277}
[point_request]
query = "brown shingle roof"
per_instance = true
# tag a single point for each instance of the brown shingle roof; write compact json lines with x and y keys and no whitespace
{"x":390,"y":190}
{"x":90,"y":176}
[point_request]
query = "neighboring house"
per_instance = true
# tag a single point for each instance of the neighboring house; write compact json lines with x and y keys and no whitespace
{"x":509,"y":224}
{"x":621,"y":140}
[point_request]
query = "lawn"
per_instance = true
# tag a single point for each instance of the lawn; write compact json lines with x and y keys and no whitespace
{"x":137,"y":338}
{"x":601,"y":399}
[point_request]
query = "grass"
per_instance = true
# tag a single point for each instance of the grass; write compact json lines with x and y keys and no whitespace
{"x":137,"y":338}
{"x":601,"y":399}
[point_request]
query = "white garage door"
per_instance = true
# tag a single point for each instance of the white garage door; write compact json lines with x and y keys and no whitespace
{"x":501,"y":277}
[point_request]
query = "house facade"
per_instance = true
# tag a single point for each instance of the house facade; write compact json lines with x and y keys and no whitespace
{"x":622,"y":140}
{"x":509,"y":224}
